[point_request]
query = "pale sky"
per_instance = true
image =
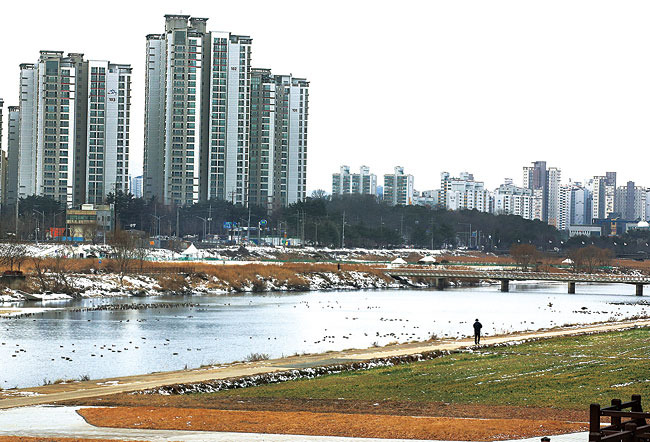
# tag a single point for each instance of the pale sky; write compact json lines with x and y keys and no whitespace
{"x":482,"y":86}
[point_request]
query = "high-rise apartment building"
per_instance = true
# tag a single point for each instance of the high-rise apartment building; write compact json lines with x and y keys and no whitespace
{"x":362,"y":183}
{"x":197,"y":104}
{"x":72,"y":146}
{"x":580,"y":205}
{"x":631,"y":202}
{"x":557,"y":211}
{"x":398,"y":188}
{"x":11,"y":180}
{"x":108,"y":123}
{"x":598,"y":206}
{"x":278,"y":139}
{"x":536,"y":178}
{"x":216,"y":128}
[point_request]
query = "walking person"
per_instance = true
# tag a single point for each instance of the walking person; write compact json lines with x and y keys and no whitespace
{"x":477,"y":332}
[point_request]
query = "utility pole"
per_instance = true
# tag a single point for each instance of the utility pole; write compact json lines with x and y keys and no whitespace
{"x":248,"y":229}
{"x":343,"y":232}
{"x":209,"y":217}
{"x":17,"y":201}
{"x":178,"y":232}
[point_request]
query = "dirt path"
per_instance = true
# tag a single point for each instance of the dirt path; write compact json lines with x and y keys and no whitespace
{"x":80,"y":390}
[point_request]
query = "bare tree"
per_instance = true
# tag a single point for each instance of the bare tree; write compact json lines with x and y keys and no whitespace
{"x":13,"y":254}
{"x":589,"y":259}
{"x":525,"y":255}
{"x":124,"y":251}
{"x":41,"y":274}
{"x":141,"y":252}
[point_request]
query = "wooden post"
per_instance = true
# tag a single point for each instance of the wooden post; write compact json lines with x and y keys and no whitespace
{"x":616,"y":420}
{"x":639,"y":289}
{"x":505,"y":285}
{"x":594,"y":423}
{"x":572,"y":288}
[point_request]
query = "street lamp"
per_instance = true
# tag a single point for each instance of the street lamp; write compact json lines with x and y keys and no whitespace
{"x":38,"y":212}
{"x":158,"y":218}
{"x":204,"y":222}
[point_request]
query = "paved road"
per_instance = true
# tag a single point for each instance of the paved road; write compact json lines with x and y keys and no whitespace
{"x":48,"y":421}
{"x":79,"y":390}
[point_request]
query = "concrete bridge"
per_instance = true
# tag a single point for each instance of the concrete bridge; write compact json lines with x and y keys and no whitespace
{"x":505,"y":276}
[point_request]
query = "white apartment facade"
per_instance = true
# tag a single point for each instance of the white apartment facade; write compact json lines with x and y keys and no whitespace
{"x":463,"y":193}
{"x":109,"y":110}
{"x":55,"y":127}
{"x":398,"y":187}
{"x":346,"y":183}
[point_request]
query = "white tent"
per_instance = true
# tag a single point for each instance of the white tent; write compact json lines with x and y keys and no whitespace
{"x":427,"y":260}
{"x":191,"y":252}
{"x":567,"y":261}
{"x":397,"y":262}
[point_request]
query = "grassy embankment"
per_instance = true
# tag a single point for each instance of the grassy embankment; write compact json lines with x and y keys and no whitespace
{"x":565,"y":373}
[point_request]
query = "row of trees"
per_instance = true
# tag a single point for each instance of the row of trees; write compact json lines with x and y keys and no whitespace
{"x":353,"y":221}
{"x":587,"y":259}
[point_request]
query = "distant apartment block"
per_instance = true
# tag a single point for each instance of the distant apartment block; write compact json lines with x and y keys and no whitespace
{"x":427,"y":198}
{"x":346,"y":183}
{"x":631,"y":202}
{"x":398,"y":188}
{"x":513,"y":200}
{"x":73,"y":129}
{"x":463,"y":193}
{"x":135,"y":186}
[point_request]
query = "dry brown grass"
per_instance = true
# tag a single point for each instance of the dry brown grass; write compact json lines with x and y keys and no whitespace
{"x":326,"y":424}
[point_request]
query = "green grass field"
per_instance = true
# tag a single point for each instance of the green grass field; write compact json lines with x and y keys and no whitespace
{"x":562,"y":372}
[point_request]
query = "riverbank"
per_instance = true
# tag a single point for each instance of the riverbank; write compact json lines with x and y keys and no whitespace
{"x":79,"y":390}
{"x":87,"y":279}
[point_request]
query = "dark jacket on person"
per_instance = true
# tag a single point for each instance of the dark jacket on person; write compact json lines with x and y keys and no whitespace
{"x":477,"y":327}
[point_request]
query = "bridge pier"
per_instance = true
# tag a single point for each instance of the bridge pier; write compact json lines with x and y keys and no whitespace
{"x":441,"y":283}
{"x":505,"y":285}
{"x":572,"y":288}
{"x":639,"y":289}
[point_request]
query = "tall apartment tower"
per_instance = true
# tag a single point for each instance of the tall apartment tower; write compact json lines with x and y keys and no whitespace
{"x":11,"y":180}
{"x":556,"y":209}
{"x":536,"y":178}
{"x":278,"y":139}
{"x":197,"y":103}
{"x":68,"y":132}
{"x":108,"y":123}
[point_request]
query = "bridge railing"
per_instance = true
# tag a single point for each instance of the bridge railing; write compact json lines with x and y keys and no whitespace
{"x":492,"y":274}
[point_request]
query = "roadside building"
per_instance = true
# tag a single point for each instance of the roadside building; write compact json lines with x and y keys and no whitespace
{"x":90,"y":222}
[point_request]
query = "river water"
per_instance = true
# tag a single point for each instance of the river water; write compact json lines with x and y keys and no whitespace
{"x":66,"y":344}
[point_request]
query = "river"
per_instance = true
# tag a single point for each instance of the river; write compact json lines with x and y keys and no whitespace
{"x":66,"y":344}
